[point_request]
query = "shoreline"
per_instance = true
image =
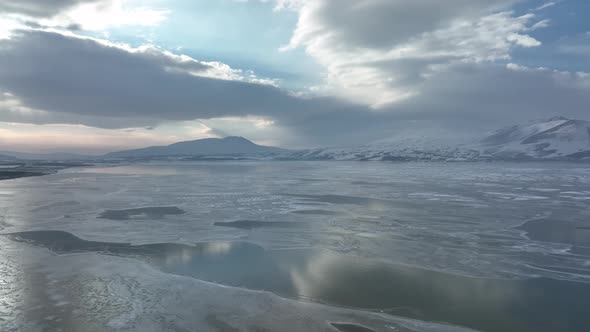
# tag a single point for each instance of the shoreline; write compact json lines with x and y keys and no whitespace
{"x":33,"y":169}
{"x":11,"y":175}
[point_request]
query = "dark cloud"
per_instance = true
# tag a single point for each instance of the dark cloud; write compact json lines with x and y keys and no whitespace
{"x":462,"y":101}
{"x":57,"y":73}
{"x":82,"y":81}
{"x":493,"y":93}
{"x":40,"y":8}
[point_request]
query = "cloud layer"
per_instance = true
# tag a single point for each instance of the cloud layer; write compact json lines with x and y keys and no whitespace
{"x":403,"y":66}
{"x":59,"y":73}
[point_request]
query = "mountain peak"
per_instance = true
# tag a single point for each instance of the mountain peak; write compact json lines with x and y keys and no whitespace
{"x":556,"y":137}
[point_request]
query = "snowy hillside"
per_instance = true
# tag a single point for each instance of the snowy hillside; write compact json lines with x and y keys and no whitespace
{"x":414,"y":149}
{"x":555,"y":138}
{"x":550,"y":139}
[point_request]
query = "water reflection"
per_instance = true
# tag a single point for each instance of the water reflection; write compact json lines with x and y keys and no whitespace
{"x":486,"y":304}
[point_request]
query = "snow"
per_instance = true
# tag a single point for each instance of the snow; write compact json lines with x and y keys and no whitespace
{"x":556,"y":138}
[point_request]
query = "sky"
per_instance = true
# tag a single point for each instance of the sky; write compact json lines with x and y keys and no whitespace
{"x":93,"y":76}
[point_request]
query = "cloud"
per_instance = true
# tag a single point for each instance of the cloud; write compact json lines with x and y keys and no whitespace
{"x":546,"y":5}
{"x":460,"y":102}
{"x":382,"y":23}
{"x":480,"y":93}
{"x":56,"y":78}
{"x":105,"y":14}
{"x":54,"y":72}
{"x":394,"y":45}
{"x":541,"y":24}
{"x":451,"y":76}
{"x":40,"y":8}
{"x":83,"y":14}
{"x":13,"y":110}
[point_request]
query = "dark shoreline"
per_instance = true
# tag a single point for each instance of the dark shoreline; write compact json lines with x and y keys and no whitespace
{"x":10,"y":175}
{"x":33,"y":169}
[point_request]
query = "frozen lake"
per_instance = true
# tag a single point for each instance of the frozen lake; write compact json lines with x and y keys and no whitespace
{"x":292,"y":246}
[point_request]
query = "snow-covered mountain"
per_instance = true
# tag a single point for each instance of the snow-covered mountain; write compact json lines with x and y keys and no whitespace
{"x":552,"y":139}
{"x":399,"y":151}
{"x":232,"y":145}
{"x":555,"y":138}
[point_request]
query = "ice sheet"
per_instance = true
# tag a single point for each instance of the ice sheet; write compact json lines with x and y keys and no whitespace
{"x":457,"y":218}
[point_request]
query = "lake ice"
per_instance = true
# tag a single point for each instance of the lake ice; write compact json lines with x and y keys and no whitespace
{"x":264,"y":246}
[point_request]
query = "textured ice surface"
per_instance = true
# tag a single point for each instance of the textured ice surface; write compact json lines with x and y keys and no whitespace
{"x":150,"y":212}
{"x":93,"y":292}
{"x":453,"y":217}
{"x":343,"y":280}
{"x":458,"y":218}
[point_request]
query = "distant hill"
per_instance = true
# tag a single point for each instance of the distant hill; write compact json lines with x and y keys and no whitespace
{"x":232,"y":145}
{"x":4,"y":157}
{"x":56,"y":156}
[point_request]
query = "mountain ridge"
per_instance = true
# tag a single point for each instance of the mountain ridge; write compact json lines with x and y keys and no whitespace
{"x":557,"y":138}
{"x":554,"y":138}
{"x":231,"y":145}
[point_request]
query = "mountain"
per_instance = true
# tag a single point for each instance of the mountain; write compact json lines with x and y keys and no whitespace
{"x":394,"y":151}
{"x":555,"y":138}
{"x":228,"y":146}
